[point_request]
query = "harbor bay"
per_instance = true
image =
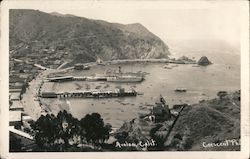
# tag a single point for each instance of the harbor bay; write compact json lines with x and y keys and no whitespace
{"x":158,"y":80}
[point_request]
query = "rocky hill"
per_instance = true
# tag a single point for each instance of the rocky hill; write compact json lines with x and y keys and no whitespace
{"x":210,"y":125}
{"x":81,"y":39}
{"x":210,"y":122}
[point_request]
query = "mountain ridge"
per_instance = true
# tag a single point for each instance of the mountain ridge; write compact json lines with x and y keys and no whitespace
{"x":84,"y":39}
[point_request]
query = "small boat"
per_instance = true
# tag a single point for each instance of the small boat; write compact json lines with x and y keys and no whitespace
{"x":166,"y":67}
{"x":180,"y":90}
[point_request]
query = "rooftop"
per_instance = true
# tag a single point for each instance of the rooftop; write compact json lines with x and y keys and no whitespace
{"x":16,"y":105}
{"x":15,"y":116}
{"x":15,"y":95}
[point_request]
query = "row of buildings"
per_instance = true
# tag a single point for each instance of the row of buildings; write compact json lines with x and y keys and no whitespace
{"x":20,"y":74}
{"x":26,"y":61}
{"x":24,"y":65}
{"x":22,"y":70}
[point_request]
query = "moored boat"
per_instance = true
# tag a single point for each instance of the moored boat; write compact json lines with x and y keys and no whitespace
{"x":180,"y":90}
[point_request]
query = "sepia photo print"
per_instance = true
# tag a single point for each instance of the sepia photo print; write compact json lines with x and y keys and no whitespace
{"x":143,"y":76}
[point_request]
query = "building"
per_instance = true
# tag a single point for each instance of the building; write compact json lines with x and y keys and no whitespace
{"x":15,"y":96}
{"x":78,"y":66}
{"x":16,"y":105}
{"x":15,"y":119}
{"x":15,"y":90}
{"x":61,"y":79}
{"x":99,"y":61}
{"x":49,"y":95}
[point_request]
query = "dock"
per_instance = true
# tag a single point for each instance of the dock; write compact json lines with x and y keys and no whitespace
{"x":91,"y":94}
{"x":112,"y":78}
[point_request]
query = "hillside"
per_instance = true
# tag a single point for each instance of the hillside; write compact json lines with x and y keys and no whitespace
{"x":80,"y":39}
{"x":196,"y":129}
{"x":211,"y":121}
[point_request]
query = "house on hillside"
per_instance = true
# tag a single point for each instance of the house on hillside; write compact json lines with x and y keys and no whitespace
{"x":99,"y":61}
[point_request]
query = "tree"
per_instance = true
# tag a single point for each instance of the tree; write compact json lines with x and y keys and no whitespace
{"x":159,"y":140}
{"x":15,"y":144}
{"x":94,"y":128}
{"x":53,"y":132}
{"x":107,"y":129}
{"x":44,"y":129}
{"x":64,"y":132}
{"x":67,"y":127}
{"x":121,"y":136}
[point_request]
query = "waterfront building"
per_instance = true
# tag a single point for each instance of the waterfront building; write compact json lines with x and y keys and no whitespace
{"x":49,"y":95}
{"x":61,"y":79}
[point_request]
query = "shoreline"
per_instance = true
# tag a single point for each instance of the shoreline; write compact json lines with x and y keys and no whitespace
{"x":31,"y":100}
{"x":53,"y":107}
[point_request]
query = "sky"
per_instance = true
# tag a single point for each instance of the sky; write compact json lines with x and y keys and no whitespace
{"x":170,"y":21}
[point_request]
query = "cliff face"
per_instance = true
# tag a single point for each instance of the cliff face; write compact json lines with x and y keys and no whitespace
{"x":84,"y":39}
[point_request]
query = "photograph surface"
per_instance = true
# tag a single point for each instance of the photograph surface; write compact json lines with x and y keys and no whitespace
{"x":105,"y":79}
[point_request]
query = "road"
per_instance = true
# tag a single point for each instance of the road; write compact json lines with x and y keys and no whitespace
{"x":30,"y":97}
{"x":41,"y":67}
{"x":63,"y":64}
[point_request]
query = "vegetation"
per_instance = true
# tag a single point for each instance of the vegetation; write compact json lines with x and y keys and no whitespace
{"x":85,"y":39}
{"x":15,"y":144}
{"x":66,"y":133}
{"x":221,"y":94}
{"x":210,"y":121}
{"x":159,"y":140}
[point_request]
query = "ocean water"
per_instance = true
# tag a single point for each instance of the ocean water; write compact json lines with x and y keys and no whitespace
{"x":200,"y":82}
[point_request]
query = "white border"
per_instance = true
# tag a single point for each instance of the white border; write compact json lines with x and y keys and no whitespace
{"x":4,"y":78}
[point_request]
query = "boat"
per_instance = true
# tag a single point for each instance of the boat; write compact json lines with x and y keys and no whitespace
{"x":166,"y":67}
{"x":124,"y":78}
{"x":180,"y":90}
{"x":121,"y":76}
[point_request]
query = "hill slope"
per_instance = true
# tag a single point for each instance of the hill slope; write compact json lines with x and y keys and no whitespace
{"x":200,"y":127}
{"x":211,"y":121}
{"x":84,"y":39}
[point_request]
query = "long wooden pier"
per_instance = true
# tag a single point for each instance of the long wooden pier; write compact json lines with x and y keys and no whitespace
{"x":90,"y":94}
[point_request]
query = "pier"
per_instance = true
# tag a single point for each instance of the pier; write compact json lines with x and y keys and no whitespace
{"x":90,"y":94}
{"x":112,"y":78}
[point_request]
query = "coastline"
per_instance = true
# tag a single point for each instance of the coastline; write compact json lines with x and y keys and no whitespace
{"x":35,"y":108}
{"x":35,"y":112}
